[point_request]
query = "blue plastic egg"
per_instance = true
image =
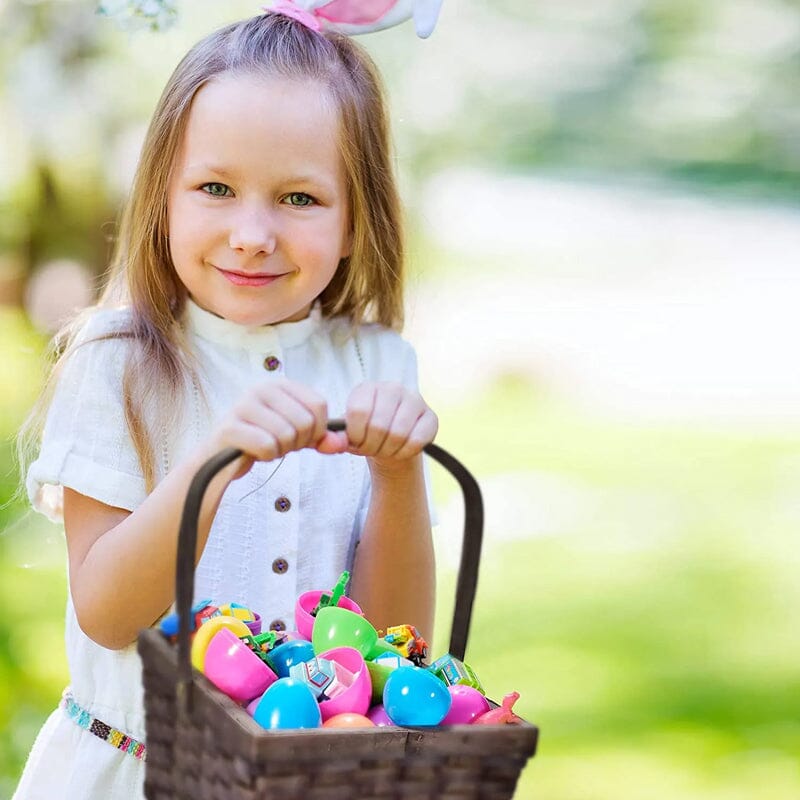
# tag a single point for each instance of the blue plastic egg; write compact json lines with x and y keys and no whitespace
{"x":414,"y":696}
{"x":286,"y":655}
{"x":288,"y":704}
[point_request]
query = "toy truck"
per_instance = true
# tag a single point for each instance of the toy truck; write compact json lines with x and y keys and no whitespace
{"x":454,"y":672}
{"x":408,"y":640}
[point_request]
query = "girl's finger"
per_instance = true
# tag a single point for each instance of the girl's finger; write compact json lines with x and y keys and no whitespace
{"x":269,"y":420}
{"x":305,"y":411}
{"x":315,"y":404}
{"x":423,"y":433}
{"x":251,"y":439}
{"x":411,"y":408}
{"x":358,"y":413}
{"x":387,"y":400}
{"x":333,"y":442}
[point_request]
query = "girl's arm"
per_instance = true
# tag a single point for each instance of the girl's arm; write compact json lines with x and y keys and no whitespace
{"x":122,"y":564}
{"x":394,"y":575}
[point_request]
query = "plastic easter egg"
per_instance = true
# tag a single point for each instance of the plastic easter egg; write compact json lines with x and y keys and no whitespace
{"x":206,"y":632}
{"x":382,"y":646}
{"x":414,"y":696}
{"x":348,"y":720}
{"x":502,"y":715}
{"x":287,"y":704}
{"x":338,"y":627}
{"x":379,"y":674}
{"x":356,"y":697}
{"x":286,"y":655}
{"x":467,"y":705}
{"x":252,"y":705}
{"x":250,"y":618}
{"x":379,"y":716}
{"x":235,"y":669}
{"x":254,"y":624}
{"x":307,"y":602}
{"x":199,"y":611}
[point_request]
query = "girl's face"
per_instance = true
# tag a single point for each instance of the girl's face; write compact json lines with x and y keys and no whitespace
{"x":258,"y":203}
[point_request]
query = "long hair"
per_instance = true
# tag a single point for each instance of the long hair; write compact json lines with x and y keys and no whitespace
{"x":367,"y":285}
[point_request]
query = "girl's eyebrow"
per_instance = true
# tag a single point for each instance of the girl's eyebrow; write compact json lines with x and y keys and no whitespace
{"x":221,"y":171}
{"x":302,"y":178}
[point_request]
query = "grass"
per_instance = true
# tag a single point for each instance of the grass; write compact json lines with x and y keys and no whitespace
{"x":653,"y":639}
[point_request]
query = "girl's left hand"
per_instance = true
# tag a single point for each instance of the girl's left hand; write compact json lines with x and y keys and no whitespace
{"x":388,"y":423}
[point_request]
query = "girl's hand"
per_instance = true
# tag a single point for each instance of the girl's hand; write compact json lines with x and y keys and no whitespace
{"x":275,"y":418}
{"x":387,"y":423}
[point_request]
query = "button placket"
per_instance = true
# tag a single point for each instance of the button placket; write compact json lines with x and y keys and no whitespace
{"x":282,"y":524}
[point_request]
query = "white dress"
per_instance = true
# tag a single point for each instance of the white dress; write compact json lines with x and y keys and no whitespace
{"x":272,"y":538}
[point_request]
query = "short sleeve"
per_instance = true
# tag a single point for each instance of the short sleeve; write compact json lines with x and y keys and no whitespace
{"x":85,"y":443}
{"x":387,"y":356}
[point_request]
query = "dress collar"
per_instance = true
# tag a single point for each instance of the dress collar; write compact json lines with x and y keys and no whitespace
{"x":256,"y":338}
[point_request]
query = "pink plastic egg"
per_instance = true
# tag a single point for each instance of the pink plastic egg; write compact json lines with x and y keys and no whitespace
{"x":356,"y":697}
{"x":235,"y":669}
{"x":305,"y":605}
{"x":468,"y":704}
{"x":379,"y":716}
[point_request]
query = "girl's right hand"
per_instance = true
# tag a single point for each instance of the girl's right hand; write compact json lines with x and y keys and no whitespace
{"x":272,"y":419}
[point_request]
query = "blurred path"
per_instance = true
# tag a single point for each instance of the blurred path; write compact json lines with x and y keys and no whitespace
{"x":635,"y":302}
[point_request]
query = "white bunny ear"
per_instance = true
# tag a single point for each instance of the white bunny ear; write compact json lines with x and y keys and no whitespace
{"x":426,"y":12}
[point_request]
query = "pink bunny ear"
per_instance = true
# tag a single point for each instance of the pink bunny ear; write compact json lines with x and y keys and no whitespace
{"x":353,"y":17}
{"x":355,"y":12}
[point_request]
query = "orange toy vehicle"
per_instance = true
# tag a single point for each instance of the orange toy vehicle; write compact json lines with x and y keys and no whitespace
{"x":408,"y":640}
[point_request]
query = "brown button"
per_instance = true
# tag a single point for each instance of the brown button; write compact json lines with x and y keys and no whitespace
{"x":271,"y":363}
{"x":280,"y":565}
{"x":277,"y":625}
{"x":283,"y":504}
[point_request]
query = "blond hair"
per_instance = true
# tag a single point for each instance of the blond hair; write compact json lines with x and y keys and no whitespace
{"x":368,"y":284}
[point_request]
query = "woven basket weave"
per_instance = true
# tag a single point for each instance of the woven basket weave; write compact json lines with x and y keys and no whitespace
{"x":202,"y":745}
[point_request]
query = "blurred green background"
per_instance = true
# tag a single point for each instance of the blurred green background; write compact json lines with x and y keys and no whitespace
{"x":603,"y":202}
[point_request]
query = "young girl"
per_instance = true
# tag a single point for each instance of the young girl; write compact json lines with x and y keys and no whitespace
{"x":253,"y":297}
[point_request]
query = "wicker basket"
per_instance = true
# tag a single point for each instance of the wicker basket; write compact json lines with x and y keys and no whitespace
{"x":202,"y":745}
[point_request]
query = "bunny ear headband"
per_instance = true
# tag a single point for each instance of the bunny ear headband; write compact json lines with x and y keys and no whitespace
{"x":352,"y":17}
{"x":343,"y":16}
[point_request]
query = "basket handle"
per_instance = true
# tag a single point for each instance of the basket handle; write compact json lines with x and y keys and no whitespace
{"x":187,"y":545}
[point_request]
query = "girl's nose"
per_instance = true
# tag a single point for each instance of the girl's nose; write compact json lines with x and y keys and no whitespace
{"x":253,"y":232}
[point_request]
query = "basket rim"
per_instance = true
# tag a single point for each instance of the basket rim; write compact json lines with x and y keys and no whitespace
{"x":153,"y":644}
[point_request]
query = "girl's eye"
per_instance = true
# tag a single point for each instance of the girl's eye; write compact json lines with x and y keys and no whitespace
{"x":299,"y":199}
{"x":216,"y":189}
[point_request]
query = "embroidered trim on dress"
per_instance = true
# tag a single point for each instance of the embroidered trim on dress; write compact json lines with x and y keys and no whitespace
{"x":101,"y":730}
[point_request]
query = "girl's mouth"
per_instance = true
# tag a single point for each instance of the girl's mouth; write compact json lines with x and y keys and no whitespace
{"x":249,"y":279}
